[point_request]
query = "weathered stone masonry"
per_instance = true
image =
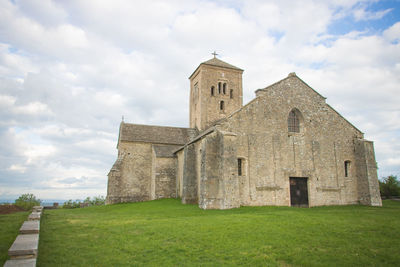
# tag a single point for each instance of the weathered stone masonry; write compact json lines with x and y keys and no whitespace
{"x":285,"y":147}
{"x":146,"y":166}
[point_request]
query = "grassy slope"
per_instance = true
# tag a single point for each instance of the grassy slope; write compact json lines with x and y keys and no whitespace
{"x":9,"y":227}
{"x":165,"y":232}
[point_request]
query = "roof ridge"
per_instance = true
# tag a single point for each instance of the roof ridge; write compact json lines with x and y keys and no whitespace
{"x":164,"y":126}
{"x":217,"y":63}
{"x":220,"y":63}
{"x":130,"y":132}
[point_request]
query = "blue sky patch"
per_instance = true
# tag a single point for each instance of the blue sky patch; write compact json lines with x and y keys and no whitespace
{"x":369,"y":25}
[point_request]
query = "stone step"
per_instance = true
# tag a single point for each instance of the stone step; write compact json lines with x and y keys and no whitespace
{"x":24,"y":247}
{"x":34,"y":216}
{"x":20,"y":263}
{"x":38,"y":212}
{"x":37,"y":208}
{"x":30,"y":227}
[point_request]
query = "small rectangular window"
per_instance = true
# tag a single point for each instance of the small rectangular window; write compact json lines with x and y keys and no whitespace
{"x":240,"y":167}
{"x":346,"y":168}
{"x":231,"y":93}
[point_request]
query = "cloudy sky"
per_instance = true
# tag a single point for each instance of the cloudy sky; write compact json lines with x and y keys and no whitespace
{"x":69,"y":70}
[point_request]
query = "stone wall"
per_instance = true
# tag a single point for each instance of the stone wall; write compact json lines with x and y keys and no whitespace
{"x":272,"y":155}
{"x":205,"y":108}
{"x":179,"y":176}
{"x":114,"y":182}
{"x":143,"y":171}
{"x":368,"y":186}
{"x":135,"y":174}
{"x":189,"y":181}
{"x":209,"y":171}
{"x":210,"y":193}
{"x":165,"y":178}
{"x":229,"y":169}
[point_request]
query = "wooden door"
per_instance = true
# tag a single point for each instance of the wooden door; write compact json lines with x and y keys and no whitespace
{"x":298,"y":192}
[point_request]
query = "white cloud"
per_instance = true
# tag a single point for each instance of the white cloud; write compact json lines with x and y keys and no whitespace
{"x":392,"y":34}
{"x":393,"y":161}
{"x":362,"y":14}
{"x":17,"y":168}
{"x":46,"y":12}
{"x":70,"y":69}
{"x":34,"y":153}
{"x":33,"y":108}
{"x":12,"y":64}
{"x":7,"y":101}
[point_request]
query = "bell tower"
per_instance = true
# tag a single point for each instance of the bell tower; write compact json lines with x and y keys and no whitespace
{"x":215,"y":92}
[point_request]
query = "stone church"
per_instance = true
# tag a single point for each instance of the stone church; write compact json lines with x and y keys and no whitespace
{"x":286,"y":147}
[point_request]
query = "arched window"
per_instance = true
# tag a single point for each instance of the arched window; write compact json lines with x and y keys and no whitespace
{"x":224,"y":88}
{"x":212,"y":90}
{"x":219,"y":88}
{"x":231,"y":93}
{"x":346,"y":168}
{"x":294,"y":121}
{"x":221,"y":105}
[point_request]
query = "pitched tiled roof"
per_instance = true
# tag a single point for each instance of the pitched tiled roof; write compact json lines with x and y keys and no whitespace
{"x":218,"y":63}
{"x":155,"y":134}
{"x":165,"y":151}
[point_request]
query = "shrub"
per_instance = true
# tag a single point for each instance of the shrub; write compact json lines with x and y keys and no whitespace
{"x":27,"y":201}
{"x":389,"y":186}
{"x":95,"y":201}
{"x":70,"y":204}
{"x":87,"y":201}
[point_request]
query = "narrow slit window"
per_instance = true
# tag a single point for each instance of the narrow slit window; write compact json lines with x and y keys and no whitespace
{"x":346,"y":168}
{"x":221,"y":105}
{"x":224,"y":88}
{"x":231,"y":93}
{"x":293,"y":122}
{"x":219,"y":88}
{"x":240,"y":167}
{"x":212,"y":90}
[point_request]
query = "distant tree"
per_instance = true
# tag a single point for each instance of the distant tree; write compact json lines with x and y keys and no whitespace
{"x":27,"y":201}
{"x":87,"y":200}
{"x":389,"y":186}
{"x":96,"y":201}
{"x":70,"y":204}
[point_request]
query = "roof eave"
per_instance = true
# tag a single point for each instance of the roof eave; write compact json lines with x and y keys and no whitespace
{"x":198,"y":137}
{"x":231,"y":68}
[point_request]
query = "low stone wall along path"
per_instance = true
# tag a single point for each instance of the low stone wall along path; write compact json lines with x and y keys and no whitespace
{"x":23,"y":252}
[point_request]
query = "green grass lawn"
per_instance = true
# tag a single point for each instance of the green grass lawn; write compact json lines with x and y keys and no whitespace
{"x":167,"y":233}
{"x":9,"y":227}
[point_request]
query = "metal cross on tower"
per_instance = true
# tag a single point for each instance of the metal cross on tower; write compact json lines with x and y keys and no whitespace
{"x":215,"y":54}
